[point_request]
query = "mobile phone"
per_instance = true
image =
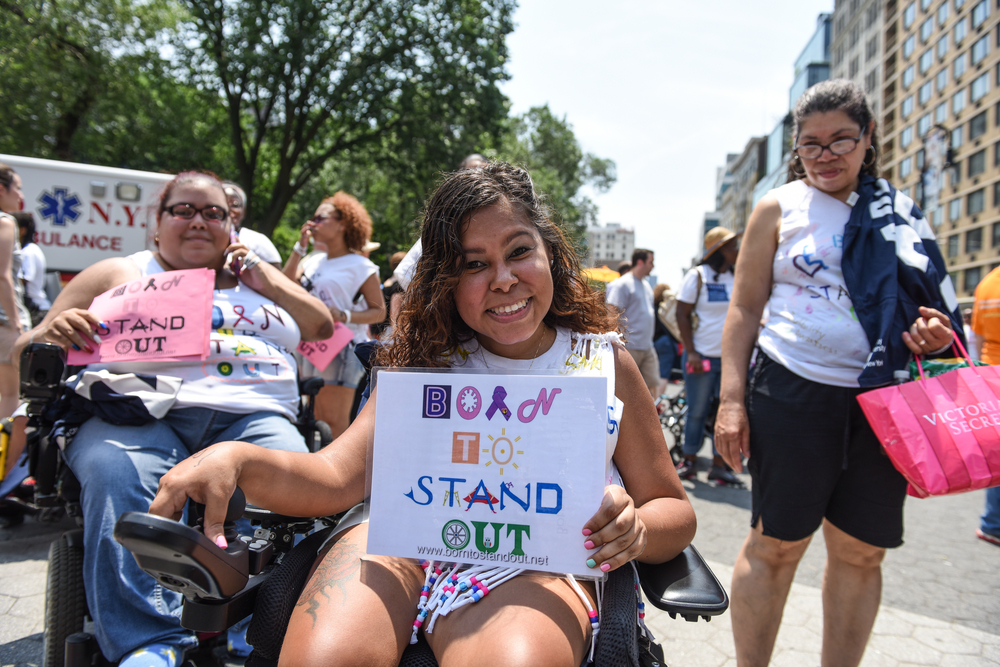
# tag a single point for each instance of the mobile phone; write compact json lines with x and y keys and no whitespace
{"x":706,"y":366}
{"x":234,"y":265}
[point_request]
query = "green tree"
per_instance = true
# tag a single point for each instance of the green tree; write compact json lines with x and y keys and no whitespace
{"x":305,"y":82}
{"x":547,"y":146}
{"x":59,"y":61}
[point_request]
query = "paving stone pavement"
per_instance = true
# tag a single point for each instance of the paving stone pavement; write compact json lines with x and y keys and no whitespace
{"x":940,"y":602}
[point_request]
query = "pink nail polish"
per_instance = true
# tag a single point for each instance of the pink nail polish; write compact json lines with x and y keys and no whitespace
{"x":220,"y":542}
{"x":605,"y":567}
{"x":589,"y":544}
{"x":587,"y":532}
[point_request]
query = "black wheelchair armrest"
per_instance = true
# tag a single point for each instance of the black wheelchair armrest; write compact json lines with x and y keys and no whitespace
{"x":204,"y":615}
{"x":311,"y":386}
{"x":182,"y":558}
{"x":684,"y":585}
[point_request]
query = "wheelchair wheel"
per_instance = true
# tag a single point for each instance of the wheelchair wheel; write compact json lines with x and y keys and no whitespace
{"x":325,"y":434}
{"x":65,"y":601}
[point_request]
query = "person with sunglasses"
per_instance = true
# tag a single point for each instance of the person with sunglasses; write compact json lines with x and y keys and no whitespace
{"x":853,"y":283}
{"x":246,"y":390}
{"x":348,"y":283}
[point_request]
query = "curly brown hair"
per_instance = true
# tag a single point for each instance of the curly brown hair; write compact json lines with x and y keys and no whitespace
{"x":357,"y":222}
{"x":429,"y":325}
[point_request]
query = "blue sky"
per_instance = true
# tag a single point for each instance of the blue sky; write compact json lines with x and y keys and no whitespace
{"x":665,"y":89}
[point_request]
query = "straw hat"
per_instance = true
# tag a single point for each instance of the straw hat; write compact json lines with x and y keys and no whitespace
{"x":372,"y":246}
{"x":717,"y":237}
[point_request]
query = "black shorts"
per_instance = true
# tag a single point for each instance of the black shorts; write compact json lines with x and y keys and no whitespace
{"x":813,"y":455}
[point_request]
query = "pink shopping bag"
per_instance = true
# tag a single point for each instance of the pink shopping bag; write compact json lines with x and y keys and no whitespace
{"x":941,"y":433}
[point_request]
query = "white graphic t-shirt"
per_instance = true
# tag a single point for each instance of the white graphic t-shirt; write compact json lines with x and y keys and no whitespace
{"x":336,"y":281}
{"x":811,"y":328}
{"x":711,"y":303}
{"x":249,"y":366}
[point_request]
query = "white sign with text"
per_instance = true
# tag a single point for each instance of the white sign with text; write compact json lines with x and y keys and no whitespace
{"x":489,"y":469}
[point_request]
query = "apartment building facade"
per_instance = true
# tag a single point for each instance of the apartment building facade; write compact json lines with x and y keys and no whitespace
{"x":737,"y":199}
{"x":609,"y":245}
{"x":856,"y":46}
{"x":941,"y":125}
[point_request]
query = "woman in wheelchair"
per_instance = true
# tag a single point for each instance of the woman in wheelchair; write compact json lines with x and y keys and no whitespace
{"x":498,"y":287}
{"x":245,"y":390}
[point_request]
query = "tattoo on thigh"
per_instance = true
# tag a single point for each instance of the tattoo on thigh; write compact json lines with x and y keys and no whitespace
{"x":338,"y":566}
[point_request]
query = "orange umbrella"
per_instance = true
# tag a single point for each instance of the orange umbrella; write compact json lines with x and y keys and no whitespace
{"x":603,"y":274}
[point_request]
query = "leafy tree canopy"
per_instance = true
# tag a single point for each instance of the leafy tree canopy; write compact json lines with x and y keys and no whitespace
{"x":79,"y":67}
{"x":548,"y":148}
{"x":306,"y":82}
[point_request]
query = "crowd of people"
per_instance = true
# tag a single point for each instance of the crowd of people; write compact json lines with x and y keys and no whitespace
{"x":493,"y":283}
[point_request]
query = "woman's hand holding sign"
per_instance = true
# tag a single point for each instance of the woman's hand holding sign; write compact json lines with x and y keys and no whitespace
{"x":75,"y":327}
{"x":616,"y":530}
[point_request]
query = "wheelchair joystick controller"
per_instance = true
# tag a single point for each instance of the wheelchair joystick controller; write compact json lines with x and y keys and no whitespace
{"x":237,"y":505}
{"x":182,"y":558}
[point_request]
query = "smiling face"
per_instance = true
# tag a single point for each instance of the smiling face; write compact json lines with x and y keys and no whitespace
{"x":506,"y":289}
{"x":836,"y":175}
{"x":11,"y":198}
{"x":194,"y":243}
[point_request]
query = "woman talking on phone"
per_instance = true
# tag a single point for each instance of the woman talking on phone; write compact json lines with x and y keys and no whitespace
{"x":854,"y":283}
{"x":348,"y":284}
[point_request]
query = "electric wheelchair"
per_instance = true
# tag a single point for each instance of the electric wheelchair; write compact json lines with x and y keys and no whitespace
{"x":52,"y":491}
{"x":263,"y":574}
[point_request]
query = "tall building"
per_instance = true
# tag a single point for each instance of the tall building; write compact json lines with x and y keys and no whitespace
{"x":811,"y":67}
{"x":941,"y":125}
{"x":813,"y":64}
{"x":609,"y":245}
{"x":737,"y":199}
{"x":856,"y":46}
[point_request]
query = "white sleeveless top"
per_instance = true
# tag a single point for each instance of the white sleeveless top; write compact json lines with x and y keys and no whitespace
{"x":811,"y":328}
{"x":249,"y":366}
{"x":568,"y":356}
{"x":335,"y":282}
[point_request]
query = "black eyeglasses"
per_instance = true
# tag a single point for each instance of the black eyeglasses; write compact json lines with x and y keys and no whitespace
{"x":838,"y":147}
{"x":188,"y":211}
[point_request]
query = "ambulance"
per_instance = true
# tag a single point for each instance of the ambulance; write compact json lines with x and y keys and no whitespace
{"x":85,"y":213}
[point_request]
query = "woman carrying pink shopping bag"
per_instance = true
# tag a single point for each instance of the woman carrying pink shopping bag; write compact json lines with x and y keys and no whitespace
{"x":853,"y":283}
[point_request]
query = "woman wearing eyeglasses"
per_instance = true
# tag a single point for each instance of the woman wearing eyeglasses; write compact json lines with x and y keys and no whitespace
{"x":844,"y":313}
{"x":245,"y":390}
{"x":348,"y":283}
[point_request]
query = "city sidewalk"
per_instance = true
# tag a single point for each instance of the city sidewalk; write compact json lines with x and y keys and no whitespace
{"x":940,"y":604}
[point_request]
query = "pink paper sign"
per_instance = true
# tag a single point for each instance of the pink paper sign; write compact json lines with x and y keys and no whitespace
{"x":321,"y":352}
{"x":160,"y":317}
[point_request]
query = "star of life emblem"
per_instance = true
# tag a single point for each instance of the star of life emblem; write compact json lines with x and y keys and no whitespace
{"x":60,"y":206}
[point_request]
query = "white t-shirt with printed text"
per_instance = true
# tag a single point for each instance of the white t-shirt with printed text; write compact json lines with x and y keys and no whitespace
{"x":711,"y":303}
{"x":249,"y":366}
{"x":811,"y":328}
{"x":336,"y":281}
